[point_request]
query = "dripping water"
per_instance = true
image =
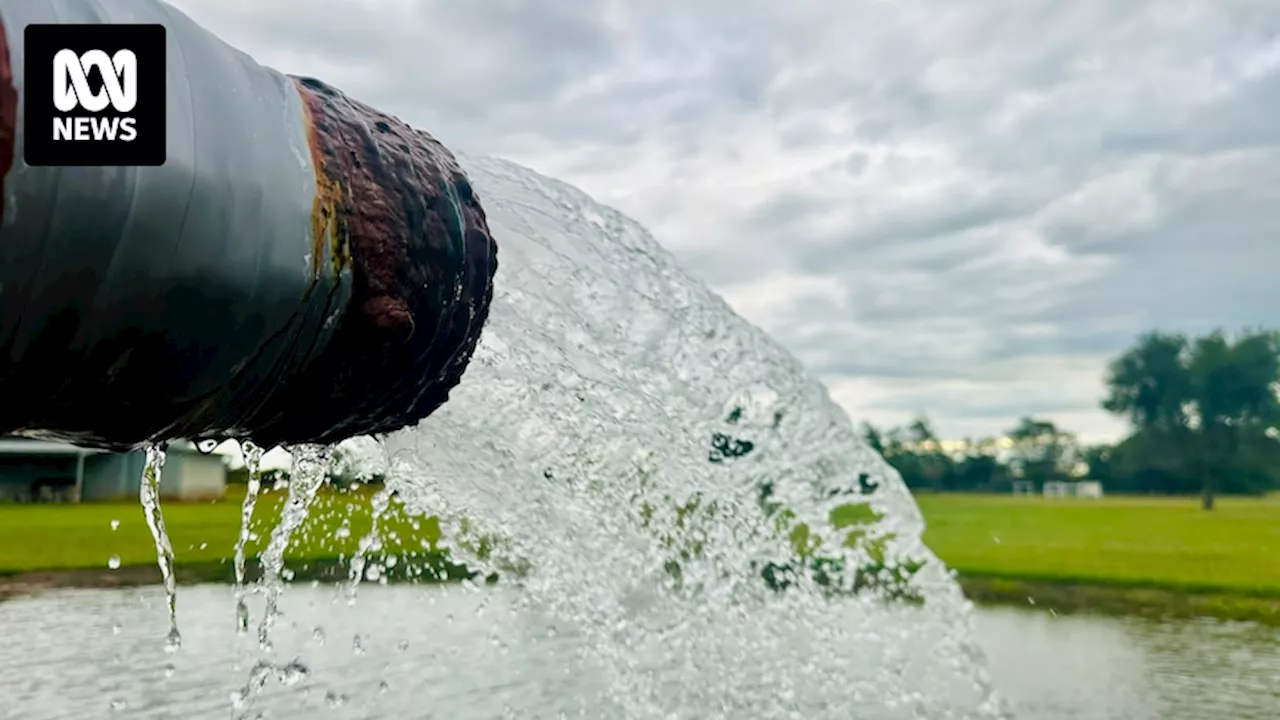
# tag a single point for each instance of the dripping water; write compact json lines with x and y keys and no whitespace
{"x":149,"y":496}
{"x":371,"y":542}
{"x":310,"y":467}
{"x":253,"y":465}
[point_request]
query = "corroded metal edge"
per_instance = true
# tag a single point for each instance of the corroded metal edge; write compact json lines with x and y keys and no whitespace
{"x":395,"y":208}
{"x":328,"y":224}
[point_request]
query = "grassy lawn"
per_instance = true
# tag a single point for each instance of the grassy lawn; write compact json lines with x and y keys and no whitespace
{"x":58,"y":537}
{"x":1163,"y":555}
{"x":1155,"y":542}
{"x":1160,"y":542}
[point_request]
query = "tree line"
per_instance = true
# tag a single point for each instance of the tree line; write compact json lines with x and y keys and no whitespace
{"x":1203,"y":414}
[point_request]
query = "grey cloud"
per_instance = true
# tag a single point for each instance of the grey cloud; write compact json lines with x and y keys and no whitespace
{"x":986,"y":182}
{"x":441,"y":62}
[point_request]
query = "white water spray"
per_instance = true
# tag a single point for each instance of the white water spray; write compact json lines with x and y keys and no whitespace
{"x":660,"y":476}
{"x":679,"y":489}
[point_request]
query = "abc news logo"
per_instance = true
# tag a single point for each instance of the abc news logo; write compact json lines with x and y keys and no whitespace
{"x":71,"y":91}
{"x":94,"y":95}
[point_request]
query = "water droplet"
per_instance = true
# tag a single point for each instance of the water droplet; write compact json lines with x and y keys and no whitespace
{"x":169,"y":670}
{"x":119,"y":705}
{"x":115,"y":525}
{"x":373,"y":572}
{"x":357,"y":647}
{"x":294,"y":673}
{"x":173,"y":642}
{"x":113,"y":562}
{"x":335,"y":700}
{"x":317,"y":635}
{"x":342,"y":533}
{"x":404,"y":645}
{"x":383,"y":687}
{"x":242,"y":616}
{"x":116,"y":629}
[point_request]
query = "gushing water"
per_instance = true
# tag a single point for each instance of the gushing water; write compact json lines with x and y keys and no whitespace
{"x":660,"y":476}
{"x":665,"y":478}
{"x":149,"y":496}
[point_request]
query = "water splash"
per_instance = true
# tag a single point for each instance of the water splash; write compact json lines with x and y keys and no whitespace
{"x":371,"y":542}
{"x":665,"y":478}
{"x":253,"y":466}
{"x":149,"y":496}
{"x":310,"y":467}
{"x":288,"y":674}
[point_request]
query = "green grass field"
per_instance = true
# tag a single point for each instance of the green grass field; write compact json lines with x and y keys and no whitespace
{"x":1141,"y":542}
{"x":1119,"y":554}
{"x":66,"y":537}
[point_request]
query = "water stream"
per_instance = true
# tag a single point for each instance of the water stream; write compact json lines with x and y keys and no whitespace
{"x":649,"y":470}
{"x":310,"y":468}
{"x":149,"y":497}
{"x":253,"y":467}
{"x":678,"y":486}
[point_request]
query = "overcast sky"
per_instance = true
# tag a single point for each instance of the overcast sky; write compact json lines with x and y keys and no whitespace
{"x":959,"y":207}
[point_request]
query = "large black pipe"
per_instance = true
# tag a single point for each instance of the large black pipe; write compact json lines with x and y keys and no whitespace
{"x":303,"y":268}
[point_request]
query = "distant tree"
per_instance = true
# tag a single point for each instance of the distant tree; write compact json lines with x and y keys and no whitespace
{"x":934,"y":463}
{"x":1151,"y":383}
{"x":1234,"y":387}
{"x":1204,"y":412}
{"x":979,"y":467}
{"x":873,"y":437}
{"x":1099,"y":461}
{"x":1042,"y":452}
{"x":914,"y":451}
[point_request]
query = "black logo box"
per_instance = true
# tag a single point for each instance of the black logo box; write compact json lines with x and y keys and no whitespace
{"x":41,"y":43}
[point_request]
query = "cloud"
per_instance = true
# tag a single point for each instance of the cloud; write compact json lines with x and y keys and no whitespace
{"x":964,"y":210}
